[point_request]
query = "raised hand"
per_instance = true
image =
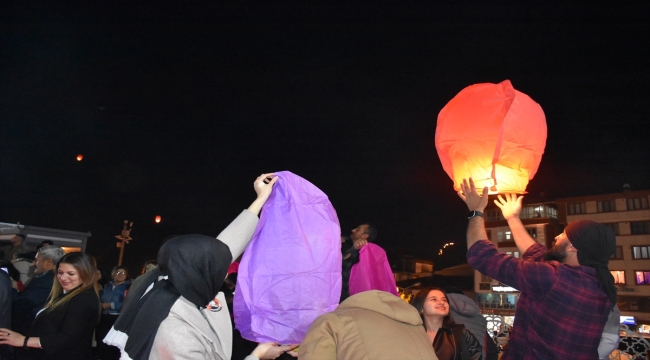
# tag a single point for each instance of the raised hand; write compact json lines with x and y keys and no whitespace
{"x":510,"y":205}
{"x":264,"y":185}
{"x":471,"y":197}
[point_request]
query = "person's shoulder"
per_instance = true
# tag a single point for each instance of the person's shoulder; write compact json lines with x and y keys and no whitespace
{"x":87,"y":296}
{"x":45,"y":280}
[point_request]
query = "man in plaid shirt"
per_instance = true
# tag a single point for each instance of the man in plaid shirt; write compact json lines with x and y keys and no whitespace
{"x":567,"y":292}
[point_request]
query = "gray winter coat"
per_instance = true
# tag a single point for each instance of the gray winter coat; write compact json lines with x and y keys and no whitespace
{"x":465,"y":311}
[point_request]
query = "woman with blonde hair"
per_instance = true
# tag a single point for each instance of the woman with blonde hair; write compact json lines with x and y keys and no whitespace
{"x":64,"y":328}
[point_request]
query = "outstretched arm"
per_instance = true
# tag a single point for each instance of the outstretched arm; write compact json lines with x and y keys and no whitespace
{"x":474,"y":201}
{"x":511,"y":207}
{"x":241,"y":230}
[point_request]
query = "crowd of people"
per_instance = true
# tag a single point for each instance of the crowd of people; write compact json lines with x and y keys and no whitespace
{"x":54,"y":306}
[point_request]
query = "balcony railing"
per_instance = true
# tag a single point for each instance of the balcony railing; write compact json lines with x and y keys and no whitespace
{"x":491,"y":305}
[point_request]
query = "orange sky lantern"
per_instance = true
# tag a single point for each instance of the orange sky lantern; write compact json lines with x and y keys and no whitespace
{"x":494,"y":134}
{"x":158,"y":219}
{"x":80,"y":157}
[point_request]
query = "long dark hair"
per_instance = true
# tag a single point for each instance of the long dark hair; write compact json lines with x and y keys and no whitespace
{"x":418,"y":303}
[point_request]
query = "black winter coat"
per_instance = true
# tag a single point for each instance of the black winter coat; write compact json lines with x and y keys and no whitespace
{"x":67,"y":331}
{"x":449,"y":347}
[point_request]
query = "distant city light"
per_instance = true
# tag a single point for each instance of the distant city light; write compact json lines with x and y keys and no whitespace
{"x":80,"y":157}
{"x":444,"y":247}
{"x":158,"y":218}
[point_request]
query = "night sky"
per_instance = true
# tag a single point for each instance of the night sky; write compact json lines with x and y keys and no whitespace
{"x":177,"y":108}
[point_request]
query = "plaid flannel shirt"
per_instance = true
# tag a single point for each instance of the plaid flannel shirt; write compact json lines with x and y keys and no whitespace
{"x":561,"y":311}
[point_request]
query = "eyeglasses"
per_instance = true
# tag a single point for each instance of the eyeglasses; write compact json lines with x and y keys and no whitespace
{"x":120,"y":273}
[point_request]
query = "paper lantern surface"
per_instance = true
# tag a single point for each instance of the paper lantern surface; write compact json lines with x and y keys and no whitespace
{"x":290,"y":273}
{"x":494,"y":134}
{"x":372,"y":272}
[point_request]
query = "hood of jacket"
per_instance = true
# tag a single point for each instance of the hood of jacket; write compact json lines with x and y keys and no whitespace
{"x":384,"y":303}
{"x":463,"y":305}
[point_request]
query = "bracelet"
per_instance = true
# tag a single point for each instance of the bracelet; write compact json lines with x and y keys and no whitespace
{"x":25,"y":342}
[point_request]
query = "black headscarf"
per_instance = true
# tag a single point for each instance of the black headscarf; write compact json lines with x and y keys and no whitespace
{"x":196,"y":266}
{"x":595,"y":243}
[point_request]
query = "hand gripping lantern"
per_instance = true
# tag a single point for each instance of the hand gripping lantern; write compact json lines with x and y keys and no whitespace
{"x":494,"y":134}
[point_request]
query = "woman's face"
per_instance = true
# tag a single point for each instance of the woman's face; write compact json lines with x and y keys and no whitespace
{"x":68,"y":277}
{"x":119,"y":276}
{"x":436,"y":304}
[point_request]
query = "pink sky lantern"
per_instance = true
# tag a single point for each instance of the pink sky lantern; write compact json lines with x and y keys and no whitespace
{"x":158,"y":219}
{"x":494,"y":134}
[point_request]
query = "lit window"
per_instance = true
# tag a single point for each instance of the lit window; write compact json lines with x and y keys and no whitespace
{"x":529,"y":212}
{"x":504,"y":236}
{"x":637,"y":204}
{"x":640,"y":252}
{"x":551,"y":212}
{"x":642,"y":277}
{"x":619,"y":276}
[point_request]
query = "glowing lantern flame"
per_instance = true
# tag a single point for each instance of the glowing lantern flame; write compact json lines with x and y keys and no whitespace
{"x":80,"y":157}
{"x":494,"y":134}
{"x":158,"y":219}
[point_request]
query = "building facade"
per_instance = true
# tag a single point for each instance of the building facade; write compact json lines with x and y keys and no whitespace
{"x":34,"y":235}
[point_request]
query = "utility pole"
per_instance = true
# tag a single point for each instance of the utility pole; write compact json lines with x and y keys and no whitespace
{"x":124,"y":239}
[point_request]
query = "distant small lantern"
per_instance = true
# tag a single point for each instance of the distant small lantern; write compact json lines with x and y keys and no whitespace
{"x":158,"y":218}
{"x":494,"y":134}
{"x":80,"y":157}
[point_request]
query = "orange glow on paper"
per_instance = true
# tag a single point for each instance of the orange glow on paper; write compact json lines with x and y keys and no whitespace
{"x":158,"y":219}
{"x":80,"y":157}
{"x":494,"y":134}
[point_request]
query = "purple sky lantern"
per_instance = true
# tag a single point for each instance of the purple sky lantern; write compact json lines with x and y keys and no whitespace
{"x":291,"y":271}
